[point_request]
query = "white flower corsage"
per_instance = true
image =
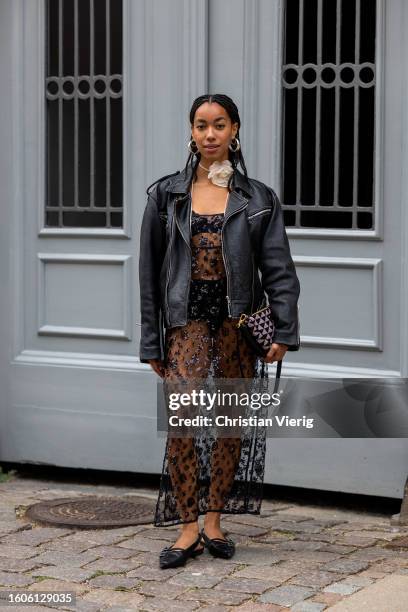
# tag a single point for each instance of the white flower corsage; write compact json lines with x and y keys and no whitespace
{"x":219,"y":172}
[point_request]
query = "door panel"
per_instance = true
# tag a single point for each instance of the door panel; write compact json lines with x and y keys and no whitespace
{"x":78,"y":393}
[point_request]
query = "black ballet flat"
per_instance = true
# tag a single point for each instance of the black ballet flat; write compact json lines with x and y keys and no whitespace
{"x":174,"y":557}
{"x":219,"y":547}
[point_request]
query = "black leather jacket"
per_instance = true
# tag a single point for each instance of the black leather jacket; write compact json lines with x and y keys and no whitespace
{"x":253,"y":239}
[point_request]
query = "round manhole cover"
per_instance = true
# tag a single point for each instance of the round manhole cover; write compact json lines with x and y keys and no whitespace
{"x":93,"y":512}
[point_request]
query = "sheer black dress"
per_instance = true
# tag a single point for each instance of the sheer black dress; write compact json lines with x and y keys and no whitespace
{"x":202,"y":474}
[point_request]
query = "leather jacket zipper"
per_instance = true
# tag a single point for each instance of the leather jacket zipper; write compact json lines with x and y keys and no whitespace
{"x":253,"y":280}
{"x":226,"y":271}
{"x":260,"y":212}
{"x":166,"y":294}
{"x":189,"y":248}
{"x":225,"y":259}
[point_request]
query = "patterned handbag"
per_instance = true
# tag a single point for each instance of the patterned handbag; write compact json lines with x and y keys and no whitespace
{"x":258,"y":330}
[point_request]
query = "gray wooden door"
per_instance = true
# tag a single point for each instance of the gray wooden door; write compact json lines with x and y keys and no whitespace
{"x":74,"y":392}
{"x":322,"y":114}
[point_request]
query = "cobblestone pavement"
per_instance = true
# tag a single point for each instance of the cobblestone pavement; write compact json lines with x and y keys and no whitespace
{"x":295,"y":556}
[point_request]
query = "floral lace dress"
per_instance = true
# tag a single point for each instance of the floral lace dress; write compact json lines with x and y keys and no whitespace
{"x":202,"y":474}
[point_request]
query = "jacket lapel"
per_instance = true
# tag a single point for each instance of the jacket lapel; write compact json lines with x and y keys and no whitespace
{"x":182,"y":213}
{"x":238,"y":198}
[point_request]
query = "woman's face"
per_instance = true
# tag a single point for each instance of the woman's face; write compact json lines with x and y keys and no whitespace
{"x":213,"y":131}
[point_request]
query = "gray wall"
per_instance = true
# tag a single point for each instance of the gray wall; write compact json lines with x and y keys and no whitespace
{"x":80,"y":398}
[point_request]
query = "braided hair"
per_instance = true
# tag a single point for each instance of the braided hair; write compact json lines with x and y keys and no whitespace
{"x":194,"y":158}
{"x":226,"y":102}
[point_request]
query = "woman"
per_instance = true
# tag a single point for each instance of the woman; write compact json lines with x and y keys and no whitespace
{"x":207,"y":233}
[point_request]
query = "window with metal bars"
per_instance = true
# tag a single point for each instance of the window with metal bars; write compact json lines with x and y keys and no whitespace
{"x":83,"y":58}
{"x":328,"y":128}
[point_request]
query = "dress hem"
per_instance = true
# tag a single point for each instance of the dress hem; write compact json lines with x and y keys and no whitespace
{"x":172,"y":523}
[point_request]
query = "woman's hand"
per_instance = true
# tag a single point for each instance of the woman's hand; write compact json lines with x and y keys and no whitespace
{"x":158,"y":366}
{"x":276,"y":352}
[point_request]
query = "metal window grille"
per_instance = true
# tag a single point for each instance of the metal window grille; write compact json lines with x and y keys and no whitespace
{"x":83,"y":58}
{"x":328,"y":128}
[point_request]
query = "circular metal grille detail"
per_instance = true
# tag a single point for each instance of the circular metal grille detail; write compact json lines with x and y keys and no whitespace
{"x":93,"y":512}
